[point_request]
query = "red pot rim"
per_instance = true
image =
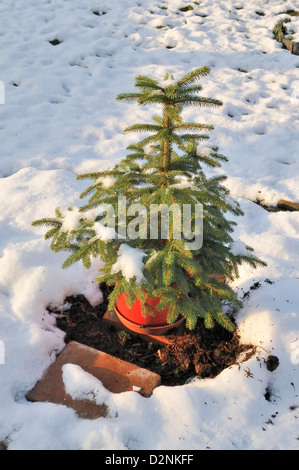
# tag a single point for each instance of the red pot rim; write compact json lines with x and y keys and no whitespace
{"x":143,"y":329}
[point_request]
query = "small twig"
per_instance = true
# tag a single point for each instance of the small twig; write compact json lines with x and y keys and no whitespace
{"x":268,"y":352}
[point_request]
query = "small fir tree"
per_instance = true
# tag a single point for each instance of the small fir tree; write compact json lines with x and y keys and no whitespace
{"x":164,"y":168}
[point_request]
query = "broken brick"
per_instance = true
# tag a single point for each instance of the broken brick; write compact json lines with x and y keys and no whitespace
{"x":115,"y":374}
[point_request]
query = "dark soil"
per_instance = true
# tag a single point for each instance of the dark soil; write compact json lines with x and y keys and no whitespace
{"x":292,"y":13}
{"x":272,"y":362}
{"x":203,"y":353}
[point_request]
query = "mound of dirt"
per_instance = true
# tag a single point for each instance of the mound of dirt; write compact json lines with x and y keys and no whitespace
{"x":202,"y":352}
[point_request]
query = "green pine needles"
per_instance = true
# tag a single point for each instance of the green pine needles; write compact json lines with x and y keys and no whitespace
{"x":152,"y":254}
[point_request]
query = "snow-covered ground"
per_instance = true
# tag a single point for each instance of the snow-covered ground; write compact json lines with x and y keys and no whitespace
{"x":60,"y":118}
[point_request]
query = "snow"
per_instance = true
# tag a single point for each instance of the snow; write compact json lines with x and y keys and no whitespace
{"x":129,"y":262}
{"x":61,"y":119}
{"x":79,"y":384}
{"x":106,"y":181}
{"x":71,"y":219}
{"x":166,"y":82}
{"x":204,"y":150}
{"x":239,"y":248}
{"x":104,"y":233}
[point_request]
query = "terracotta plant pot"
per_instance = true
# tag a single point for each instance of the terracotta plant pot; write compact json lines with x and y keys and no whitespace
{"x":133,"y":319}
